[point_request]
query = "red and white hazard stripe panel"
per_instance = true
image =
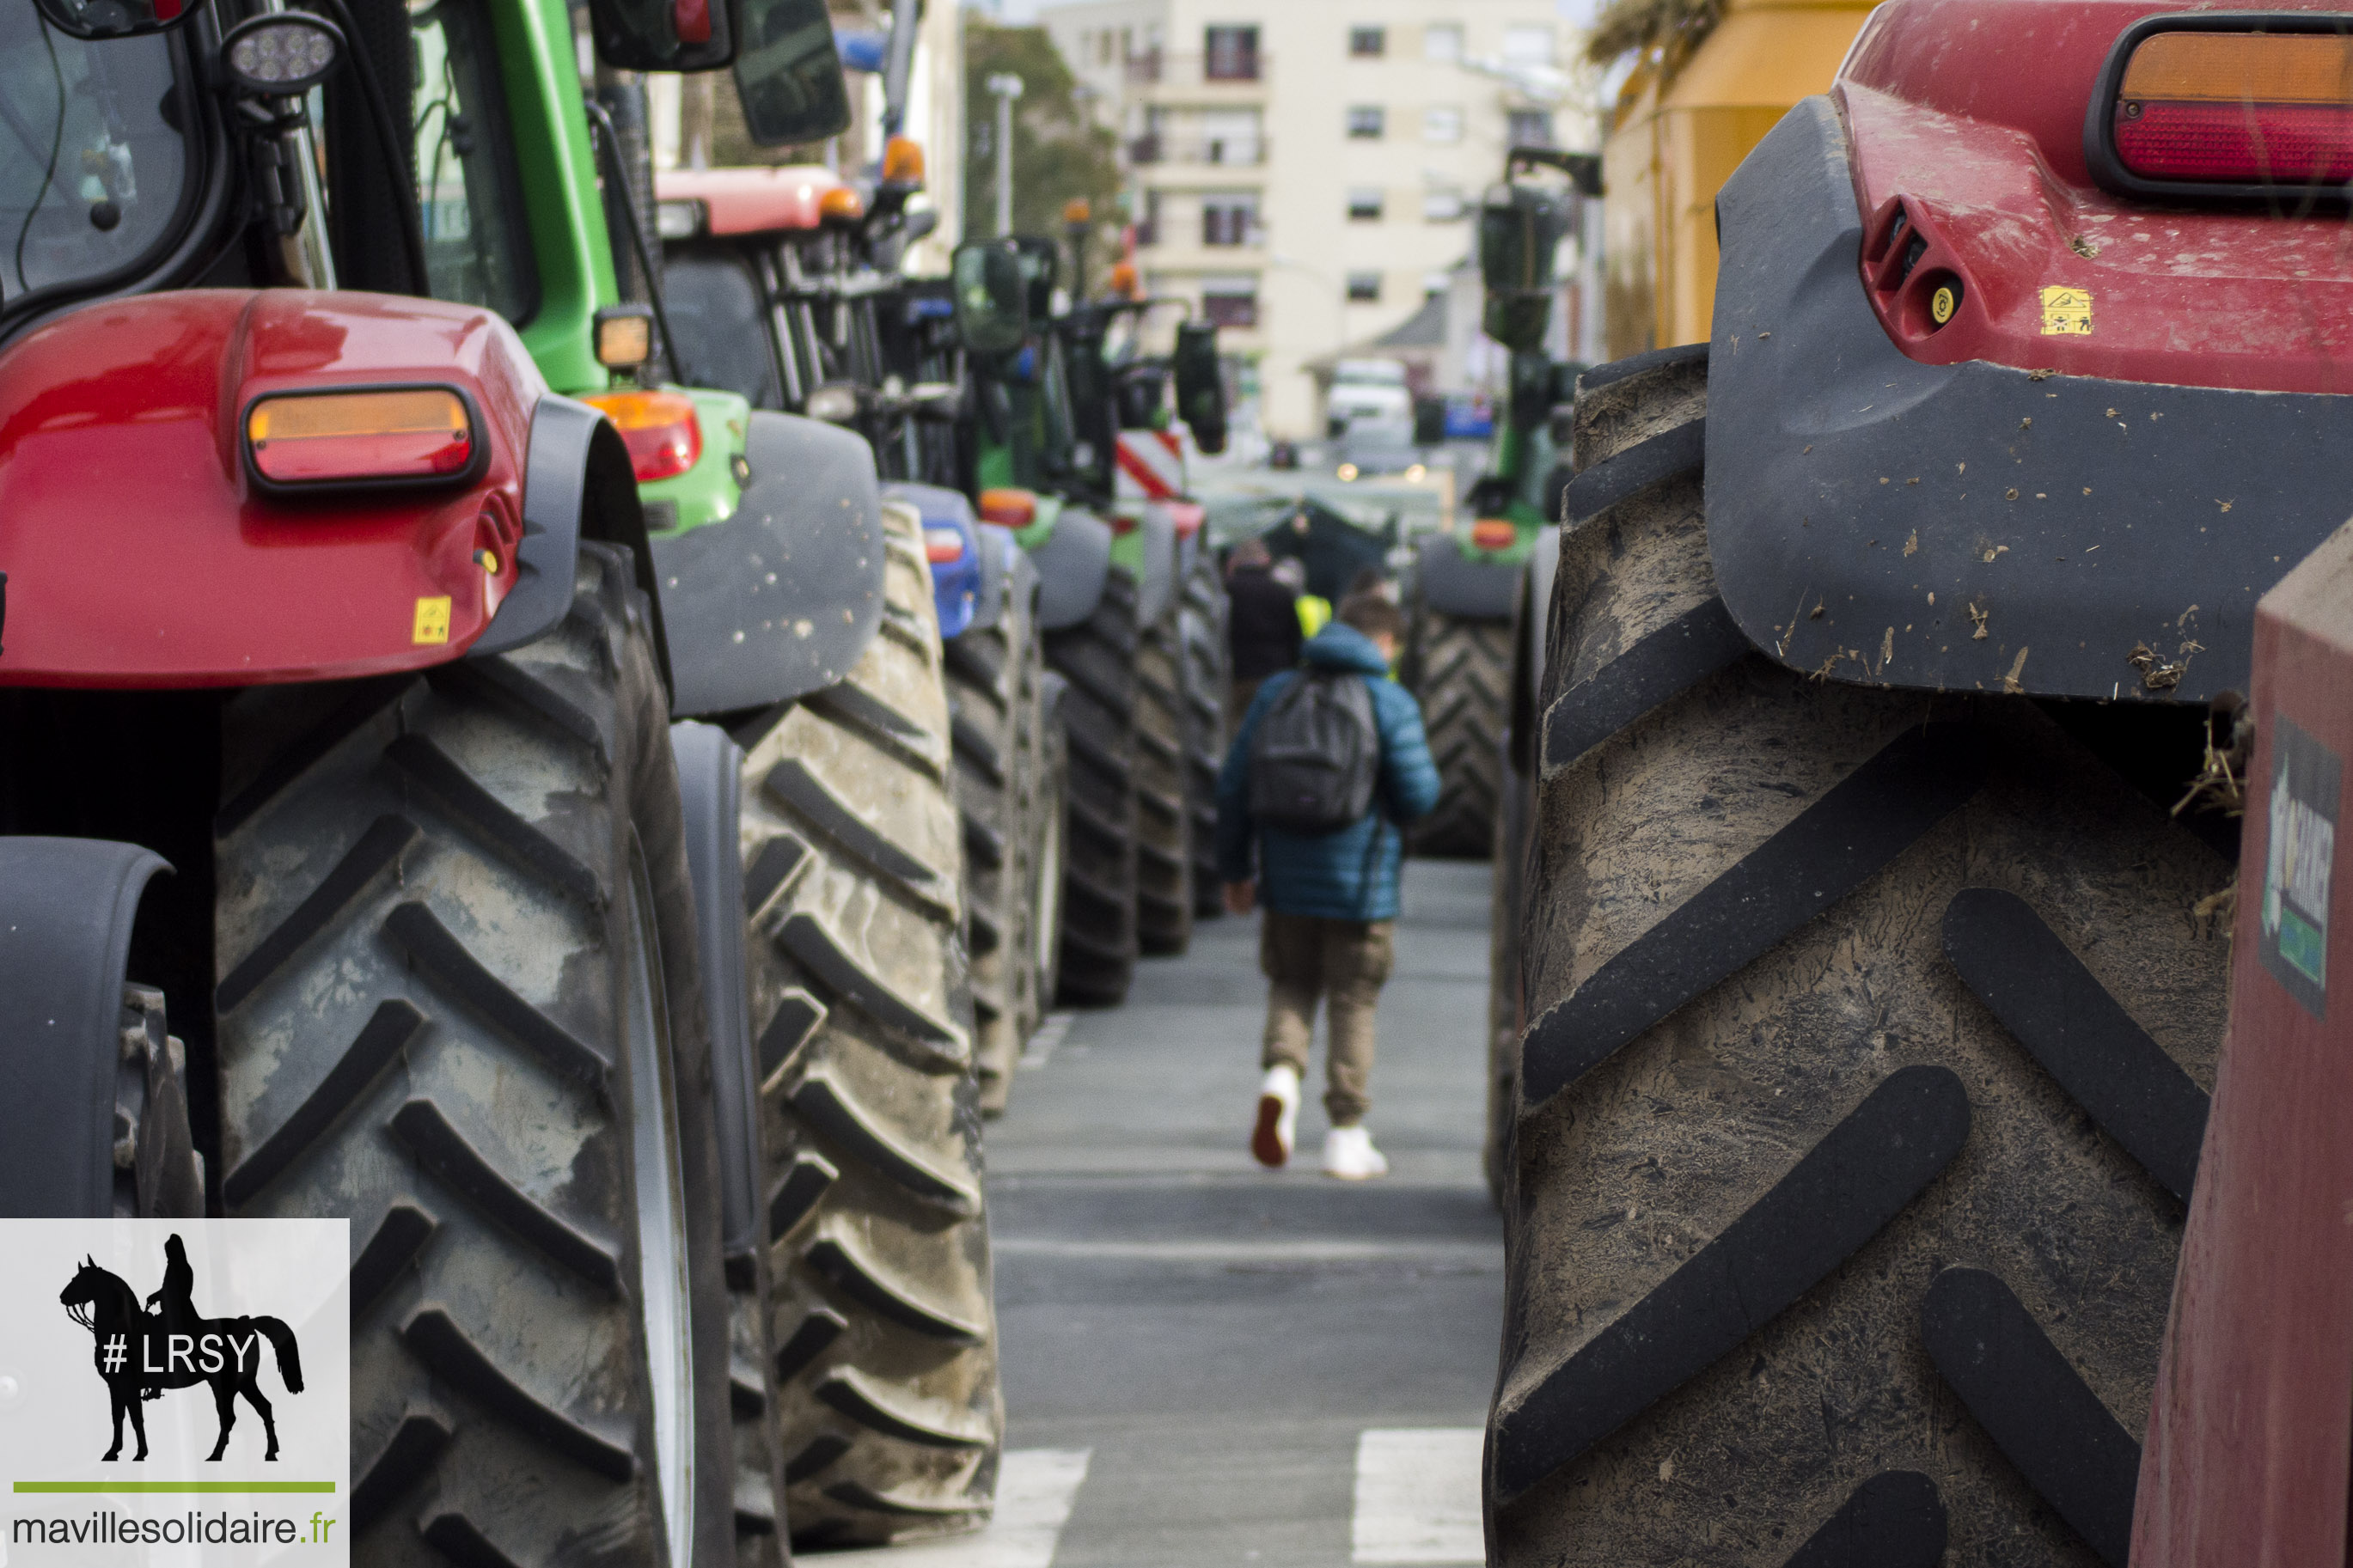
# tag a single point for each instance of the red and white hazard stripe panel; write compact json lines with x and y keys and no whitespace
{"x":1150,"y":465}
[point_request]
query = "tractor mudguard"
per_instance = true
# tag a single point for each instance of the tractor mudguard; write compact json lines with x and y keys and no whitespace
{"x":1072,"y":562}
{"x":779,"y":599}
{"x":1879,"y":520}
{"x":144,"y":551}
{"x":959,"y":586}
{"x":1456,"y":583}
{"x":577,"y":484}
{"x":1148,"y":550}
{"x":1000,"y":556}
{"x":66,"y":906}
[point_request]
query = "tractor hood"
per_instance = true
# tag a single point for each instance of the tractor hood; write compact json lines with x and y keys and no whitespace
{"x":139,"y":548}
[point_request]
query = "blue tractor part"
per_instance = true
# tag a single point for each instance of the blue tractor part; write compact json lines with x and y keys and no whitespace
{"x":952,"y":544}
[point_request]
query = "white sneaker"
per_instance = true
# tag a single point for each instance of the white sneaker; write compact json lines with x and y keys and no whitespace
{"x":1349,"y":1154}
{"x":1278,"y":1117}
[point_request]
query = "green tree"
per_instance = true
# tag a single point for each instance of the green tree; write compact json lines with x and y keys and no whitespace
{"x":1060,"y":155}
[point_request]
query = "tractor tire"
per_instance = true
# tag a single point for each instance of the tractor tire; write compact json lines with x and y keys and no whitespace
{"x":1507,"y":895}
{"x":1206,"y":677}
{"x":1163,"y":832}
{"x":1049,"y":806}
{"x":1461,"y":668}
{"x":992,"y":684}
{"x":459,"y":1001}
{"x":1097,"y":659}
{"x":888,"y":1414}
{"x":1871,"y":1035}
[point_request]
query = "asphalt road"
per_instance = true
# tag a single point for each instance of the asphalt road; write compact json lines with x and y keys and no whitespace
{"x":1195,"y":1349}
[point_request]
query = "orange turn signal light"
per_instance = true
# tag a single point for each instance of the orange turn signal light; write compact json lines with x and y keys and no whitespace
{"x":1123,"y":280}
{"x":1009,"y":508}
{"x":1493,"y":533}
{"x":419,"y":433}
{"x":902,"y":161}
{"x":659,"y":428}
{"x":842,"y":204}
{"x":1076,"y":210}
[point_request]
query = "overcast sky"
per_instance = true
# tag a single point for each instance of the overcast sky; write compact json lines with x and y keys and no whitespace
{"x":1580,"y":12}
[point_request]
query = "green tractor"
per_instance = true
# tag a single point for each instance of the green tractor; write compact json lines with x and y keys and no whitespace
{"x":1461,"y":651}
{"x":782,"y":283}
{"x":1129,"y":605}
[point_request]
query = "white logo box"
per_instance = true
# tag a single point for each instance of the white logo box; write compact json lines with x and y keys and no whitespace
{"x":61,"y":1503}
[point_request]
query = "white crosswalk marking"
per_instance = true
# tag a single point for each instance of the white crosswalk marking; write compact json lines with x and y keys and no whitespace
{"x":1051,"y":1030}
{"x":1417,"y":1496}
{"x":1035,"y":1490}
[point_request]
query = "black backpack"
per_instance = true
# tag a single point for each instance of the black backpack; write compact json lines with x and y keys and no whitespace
{"x":1317,"y":755}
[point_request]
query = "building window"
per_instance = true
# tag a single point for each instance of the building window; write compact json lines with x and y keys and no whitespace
{"x":1441,"y":126}
{"x":1365,"y":122}
{"x":1369,"y":42}
{"x":1530,"y":128}
{"x":1230,"y":301}
{"x":1231,"y":136}
{"x":1364,"y":288}
{"x":1443,"y":204}
{"x":1365,"y":204}
{"x":1230,"y":54}
{"x":1442,"y":42}
{"x":1434,"y":284}
{"x":1527,"y":46}
{"x":1230,"y":217}
{"x":1147,"y":231}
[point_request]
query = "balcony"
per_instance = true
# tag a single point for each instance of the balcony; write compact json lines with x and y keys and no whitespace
{"x":1221,"y":77}
{"x":1199,"y":151}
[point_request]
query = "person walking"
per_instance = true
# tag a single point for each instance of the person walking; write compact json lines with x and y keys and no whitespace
{"x":1263,"y":633}
{"x":1329,"y":762}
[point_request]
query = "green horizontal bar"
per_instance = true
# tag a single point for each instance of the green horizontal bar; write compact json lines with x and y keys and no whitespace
{"x":175,"y":1486}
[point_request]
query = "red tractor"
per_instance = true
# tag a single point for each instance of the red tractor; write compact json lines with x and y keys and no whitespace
{"x":1874,"y":952}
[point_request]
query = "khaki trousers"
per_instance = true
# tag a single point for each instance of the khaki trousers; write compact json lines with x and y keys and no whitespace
{"x":1344,"y":964}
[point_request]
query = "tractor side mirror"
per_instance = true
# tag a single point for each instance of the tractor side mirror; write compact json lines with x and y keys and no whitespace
{"x":1200,"y":387}
{"x":992,"y":297}
{"x":664,"y":35}
{"x":1519,"y":229}
{"x":115,"y":18}
{"x":789,"y":73}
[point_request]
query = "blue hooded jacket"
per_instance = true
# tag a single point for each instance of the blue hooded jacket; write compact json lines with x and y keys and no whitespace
{"x":1345,"y":874}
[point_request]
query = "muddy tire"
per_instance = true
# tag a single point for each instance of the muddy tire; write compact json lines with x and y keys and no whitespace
{"x":1164,"y":828}
{"x":459,"y":1003}
{"x":992,"y":685}
{"x":888,"y":1414}
{"x":1202,"y":628}
{"x":1462,"y":673}
{"x":1796,"y":1221}
{"x":1097,"y":660}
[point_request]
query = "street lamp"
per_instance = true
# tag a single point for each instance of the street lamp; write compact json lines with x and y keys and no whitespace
{"x":1006,"y":87}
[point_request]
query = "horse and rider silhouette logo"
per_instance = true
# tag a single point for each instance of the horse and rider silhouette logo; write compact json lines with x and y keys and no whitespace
{"x":141,"y":1354}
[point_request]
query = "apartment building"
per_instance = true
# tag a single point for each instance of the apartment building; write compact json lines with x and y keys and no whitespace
{"x":1305,"y":171}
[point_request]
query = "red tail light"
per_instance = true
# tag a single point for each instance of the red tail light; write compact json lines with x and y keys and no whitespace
{"x":1493,"y":533}
{"x":943,"y":545}
{"x":421,"y":433}
{"x":2221,"y":107}
{"x":664,"y":437}
{"x":1009,"y":508}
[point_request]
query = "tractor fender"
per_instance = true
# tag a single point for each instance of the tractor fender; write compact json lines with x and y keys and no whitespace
{"x":959,"y":588}
{"x":1073,"y":563}
{"x":66,"y":907}
{"x":778,"y":599}
{"x":1155,"y":582}
{"x":1455,"y":583}
{"x":710,"y":790}
{"x":1976,"y":526}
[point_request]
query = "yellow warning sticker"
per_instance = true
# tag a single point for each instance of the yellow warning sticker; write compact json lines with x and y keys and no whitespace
{"x":2066,"y":312}
{"x":432,"y":620}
